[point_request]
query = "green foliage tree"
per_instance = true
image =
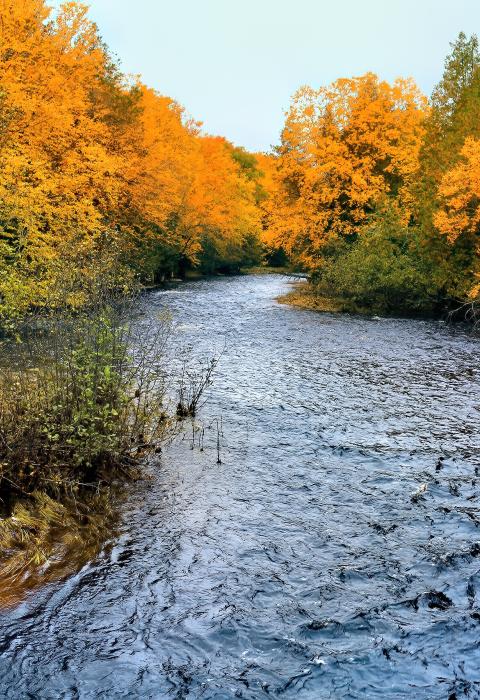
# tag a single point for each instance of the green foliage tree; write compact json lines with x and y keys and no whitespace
{"x":384,"y":269}
{"x":454,"y":115}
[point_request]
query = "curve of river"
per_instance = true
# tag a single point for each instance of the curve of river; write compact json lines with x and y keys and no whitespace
{"x":334,"y":552}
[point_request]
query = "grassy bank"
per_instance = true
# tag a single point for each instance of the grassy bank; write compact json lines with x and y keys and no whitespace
{"x":83,"y":399}
{"x":44,"y":539}
{"x":266,"y":270}
{"x":303,"y":296}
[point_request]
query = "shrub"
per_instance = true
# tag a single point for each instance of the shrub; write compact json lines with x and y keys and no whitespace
{"x":81,"y":400}
{"x":384,"y":269}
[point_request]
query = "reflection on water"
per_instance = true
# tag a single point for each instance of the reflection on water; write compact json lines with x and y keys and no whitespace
{"x":334,"y":552}
{"x":43,"y":541}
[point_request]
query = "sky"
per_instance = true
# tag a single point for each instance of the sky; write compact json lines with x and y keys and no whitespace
{"x":234,"y":64}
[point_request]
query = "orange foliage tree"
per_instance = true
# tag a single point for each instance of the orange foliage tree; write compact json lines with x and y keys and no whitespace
{"x":269,"y":181}
{"x":58,"y":175}
{"x":221,"y":202}
{"x":459,"y":214}
{"x":88,"y":158}
{"x":343,"y":149}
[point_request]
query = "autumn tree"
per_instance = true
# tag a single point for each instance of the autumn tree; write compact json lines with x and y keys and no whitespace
{"x":58,"y":177}
{"x":218,"y":210}
{"x":270,"y":181}
{"x":343,"y":149}
{"x":451,"y":128}
{"x":90,"y":158}
{"x":458,"y":216}
{"x":453,"y":116}
{"x":160,"y":157}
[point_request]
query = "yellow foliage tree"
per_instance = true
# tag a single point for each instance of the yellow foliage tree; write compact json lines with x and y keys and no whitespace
{"x":343,"y":149}
{"x":459,"y":214}
{"x":57,"y":174}
{"x":89,"y":158}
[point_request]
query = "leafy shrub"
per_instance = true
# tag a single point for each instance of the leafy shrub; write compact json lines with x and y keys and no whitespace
{"x":80,"y":401}
{"x":384,"y":269}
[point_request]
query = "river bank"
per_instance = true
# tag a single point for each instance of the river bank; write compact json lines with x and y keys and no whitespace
{"x":83,"y":402}
{"x":303,"y":297}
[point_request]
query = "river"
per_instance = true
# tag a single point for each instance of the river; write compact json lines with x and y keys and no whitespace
{"x":333,"y":553}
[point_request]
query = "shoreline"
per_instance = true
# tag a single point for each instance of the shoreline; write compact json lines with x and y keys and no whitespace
{"x":302,"y":297}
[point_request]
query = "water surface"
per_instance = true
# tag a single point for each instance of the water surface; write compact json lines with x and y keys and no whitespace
{"x":334,"y":552}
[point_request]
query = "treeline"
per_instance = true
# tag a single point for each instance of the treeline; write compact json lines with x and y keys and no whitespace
{"x":92,"y":160}
{"x":376,"y":190}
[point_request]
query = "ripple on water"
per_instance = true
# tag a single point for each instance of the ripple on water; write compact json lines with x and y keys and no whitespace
{"x":335,"y":552}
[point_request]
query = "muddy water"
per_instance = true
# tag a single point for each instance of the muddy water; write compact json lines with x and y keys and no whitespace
{"x":334,"y":552}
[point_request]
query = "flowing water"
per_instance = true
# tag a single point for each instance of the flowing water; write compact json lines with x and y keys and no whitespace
{"x":333,"y":553}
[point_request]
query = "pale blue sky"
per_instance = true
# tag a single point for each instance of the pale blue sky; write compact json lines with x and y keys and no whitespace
{"x":235,"y":63}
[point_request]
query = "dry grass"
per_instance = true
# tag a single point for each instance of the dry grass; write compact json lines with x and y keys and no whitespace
{"x":303,"y":297}
{"x":44,"y":540}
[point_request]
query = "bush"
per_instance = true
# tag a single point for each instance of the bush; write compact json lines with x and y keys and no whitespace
{"x":84,"y":396}
{"x":81,"y":400}
{"x":385,"y":269}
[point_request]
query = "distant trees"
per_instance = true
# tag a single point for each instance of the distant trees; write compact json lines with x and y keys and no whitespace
{"x":377,"y":188}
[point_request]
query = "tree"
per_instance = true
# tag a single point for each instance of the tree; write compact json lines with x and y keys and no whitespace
{"x":344,"y":148}
{"x":58,"y":179}
{"x":454,"y":112}
{"x":90,"y":158}
{"x":383,"y":269}
{"x":447,"y":154}
{"x":219,"y":210}
{"x":458,"y":217}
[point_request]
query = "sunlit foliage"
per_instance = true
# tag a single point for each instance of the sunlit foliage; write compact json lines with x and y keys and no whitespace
{"x":344,"y":148}
{"x":87,"y":153}
{"x":375,"y":190}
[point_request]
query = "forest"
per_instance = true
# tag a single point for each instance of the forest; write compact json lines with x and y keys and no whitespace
{"x":373,"y":190}
{"x":239,"y":445}
{"x":108,"y":187}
